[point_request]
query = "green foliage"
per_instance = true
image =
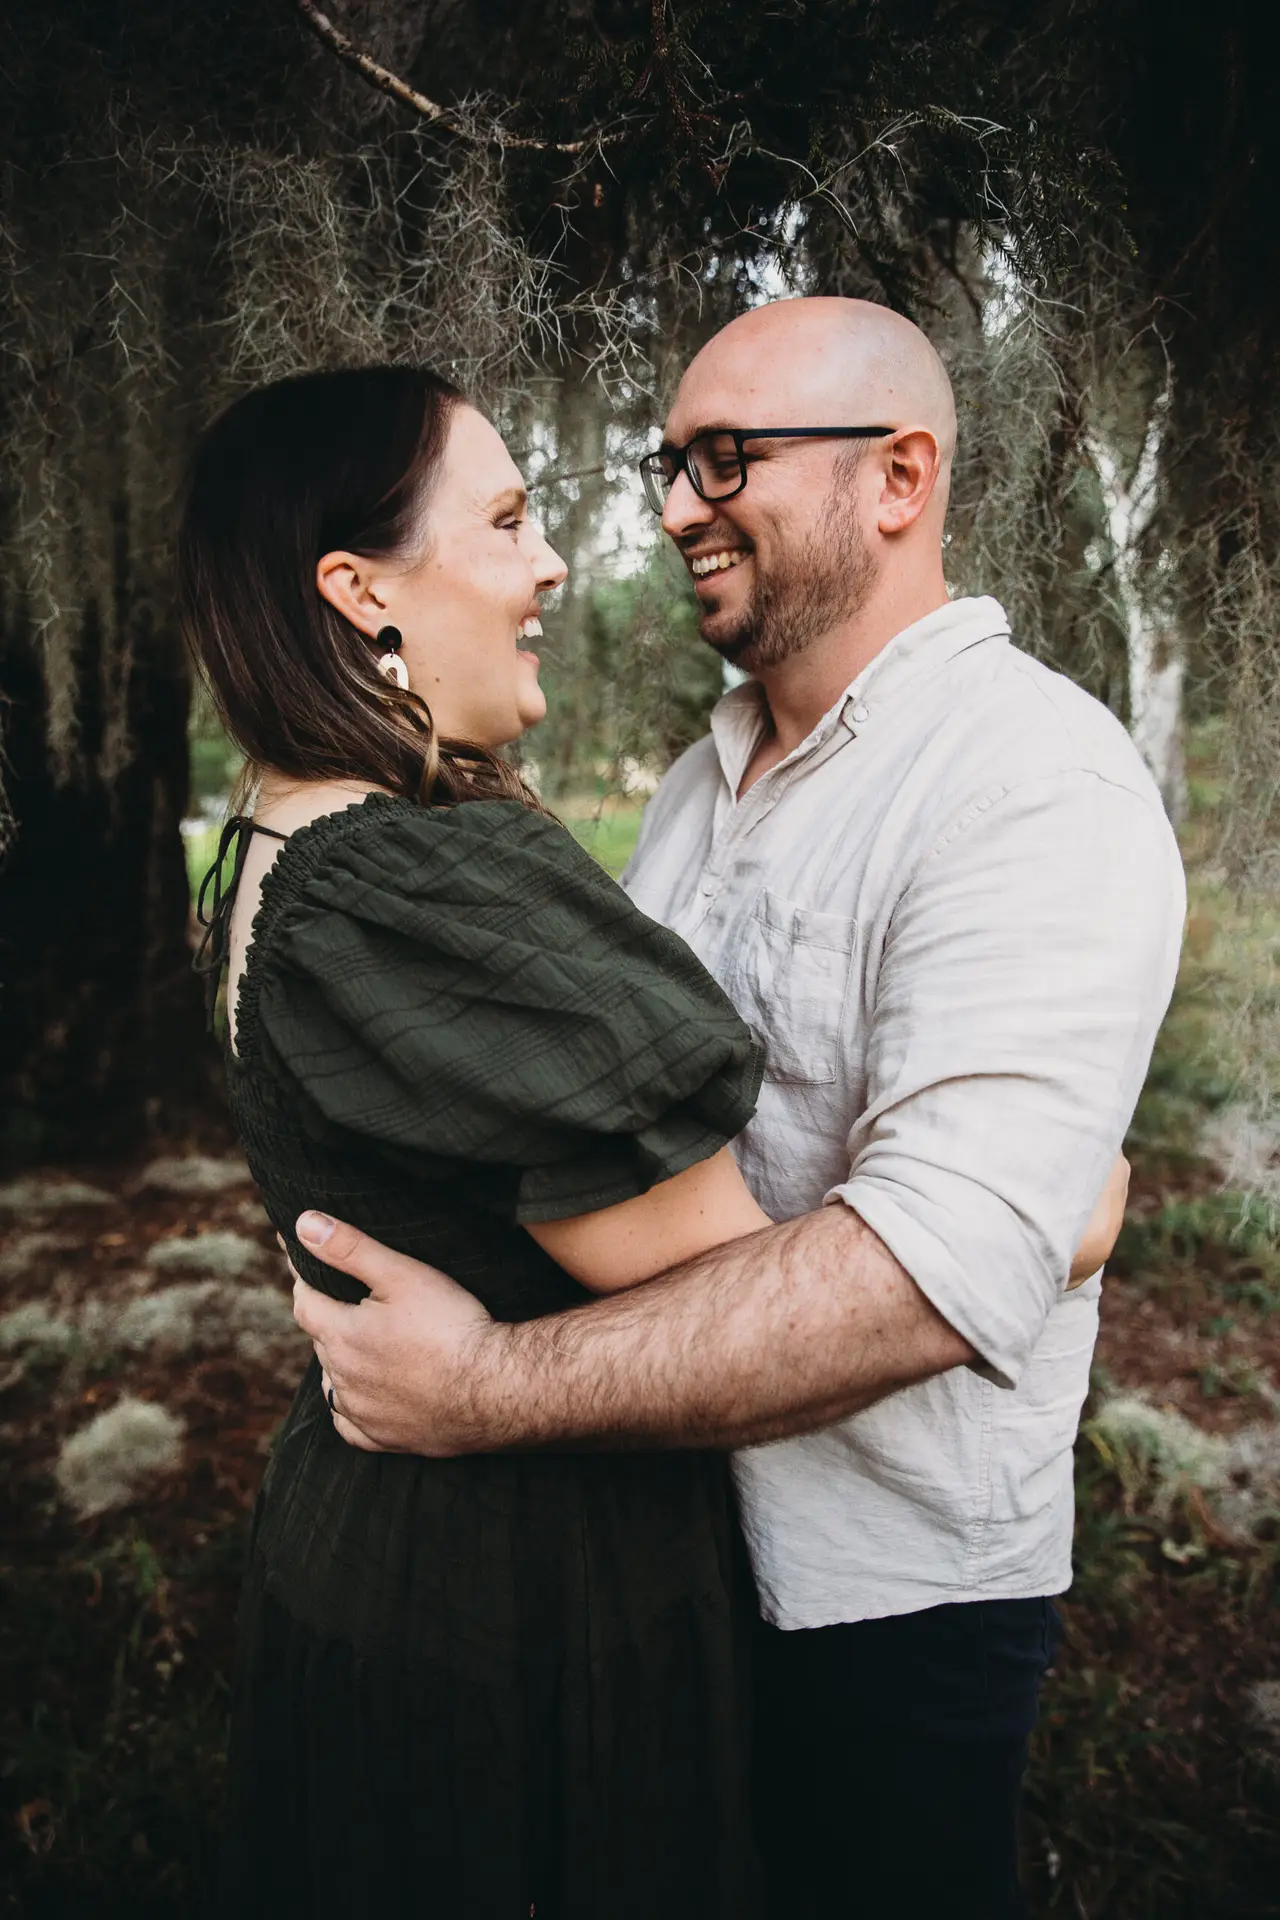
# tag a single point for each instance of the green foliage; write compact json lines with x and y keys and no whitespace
{"x":215,"y":764}
{"x":1217,"y":1061}
{"x":1231,"y":1240}
{"x":629,"y":687}
{"x":1180,"y":1091}
{"x":663,"y":678}
{"x":201,"y":845}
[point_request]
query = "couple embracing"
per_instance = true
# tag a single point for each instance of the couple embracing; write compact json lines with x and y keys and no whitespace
{"x":703,"y":1272}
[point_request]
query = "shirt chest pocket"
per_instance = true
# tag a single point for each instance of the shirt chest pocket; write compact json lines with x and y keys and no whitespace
{"x":793,"y":984}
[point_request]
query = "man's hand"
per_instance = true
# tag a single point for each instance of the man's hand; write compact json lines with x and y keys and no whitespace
{"x":782,"y":1331}
{"x":403,"y":1363}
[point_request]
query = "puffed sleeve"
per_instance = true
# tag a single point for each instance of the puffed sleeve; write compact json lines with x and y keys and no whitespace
{"x":465,"y":985}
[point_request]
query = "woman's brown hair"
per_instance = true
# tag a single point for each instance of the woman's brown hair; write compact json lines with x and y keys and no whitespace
{"x":322,"y":461}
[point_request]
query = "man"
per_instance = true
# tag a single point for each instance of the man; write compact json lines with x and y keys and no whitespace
{"x":937,"y":880}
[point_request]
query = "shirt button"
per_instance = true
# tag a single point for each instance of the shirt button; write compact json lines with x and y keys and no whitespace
{"x":860,"y":712}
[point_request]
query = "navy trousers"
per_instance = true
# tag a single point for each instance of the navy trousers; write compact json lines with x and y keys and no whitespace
{"x":890,"y":1761}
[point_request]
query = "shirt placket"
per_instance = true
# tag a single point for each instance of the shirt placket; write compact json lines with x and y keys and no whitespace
{"x":736,"y":820}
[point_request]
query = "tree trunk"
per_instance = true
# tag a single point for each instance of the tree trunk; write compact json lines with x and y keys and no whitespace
{"x":102,"y":1037}
{"x":1156,"y":671}
{"x":563,"y":747}
{"x":1156,"y":664}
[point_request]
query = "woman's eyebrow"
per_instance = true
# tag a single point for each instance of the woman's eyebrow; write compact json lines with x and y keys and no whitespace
{"x":511,"y":500}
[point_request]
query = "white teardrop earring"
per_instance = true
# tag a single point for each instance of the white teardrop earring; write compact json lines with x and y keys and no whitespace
{"x":391,"y":666}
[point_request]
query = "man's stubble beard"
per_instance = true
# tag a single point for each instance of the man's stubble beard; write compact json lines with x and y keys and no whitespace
{"x":812,"y":587}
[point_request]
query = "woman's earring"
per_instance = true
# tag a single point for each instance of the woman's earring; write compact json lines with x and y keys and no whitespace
{"x":391,"y":666}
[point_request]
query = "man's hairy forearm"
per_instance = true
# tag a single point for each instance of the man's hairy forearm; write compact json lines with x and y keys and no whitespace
{"x":782,"y":1332}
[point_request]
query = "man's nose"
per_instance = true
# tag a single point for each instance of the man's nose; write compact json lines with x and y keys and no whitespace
{"x":684,"y":509}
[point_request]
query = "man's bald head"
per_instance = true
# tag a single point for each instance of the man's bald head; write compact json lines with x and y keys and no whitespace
{"x":820,"y":362}
{"x":822,"y":535}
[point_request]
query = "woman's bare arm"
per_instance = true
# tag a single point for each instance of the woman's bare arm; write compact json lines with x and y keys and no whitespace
{"x":1103,"y":1230}
{"x":708,"y":1205}
{"x":701,"y":1208}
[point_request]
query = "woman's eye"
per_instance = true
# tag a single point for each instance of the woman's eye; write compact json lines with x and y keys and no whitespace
{"x":511,"y":523}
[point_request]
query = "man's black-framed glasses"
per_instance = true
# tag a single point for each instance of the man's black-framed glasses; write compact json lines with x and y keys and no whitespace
{"x":716,"y":464}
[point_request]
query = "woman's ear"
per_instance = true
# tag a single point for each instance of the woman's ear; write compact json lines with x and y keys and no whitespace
{"x":345,"y":582}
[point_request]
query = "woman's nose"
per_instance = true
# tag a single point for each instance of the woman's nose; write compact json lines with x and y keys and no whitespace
{"x":552,"y":571}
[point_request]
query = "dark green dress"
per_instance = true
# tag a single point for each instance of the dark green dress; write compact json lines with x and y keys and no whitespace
{"x":498,"y":1686}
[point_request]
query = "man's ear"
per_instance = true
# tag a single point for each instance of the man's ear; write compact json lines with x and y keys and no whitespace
{"x":345,"y":581}
{"x":915,"y":462}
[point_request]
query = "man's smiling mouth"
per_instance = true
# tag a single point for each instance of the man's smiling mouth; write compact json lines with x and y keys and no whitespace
{"x":717,"y":562}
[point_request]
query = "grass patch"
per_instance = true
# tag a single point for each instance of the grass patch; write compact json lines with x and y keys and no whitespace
{"x":608,"y":829}
{"x":1220,"y":1245}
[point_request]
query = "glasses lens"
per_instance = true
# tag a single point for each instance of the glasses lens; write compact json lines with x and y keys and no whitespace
{"x":714,"y":466}
{"x":655,"y":472}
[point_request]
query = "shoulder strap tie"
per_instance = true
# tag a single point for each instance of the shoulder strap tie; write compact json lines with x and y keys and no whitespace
{"x":211,"y":955}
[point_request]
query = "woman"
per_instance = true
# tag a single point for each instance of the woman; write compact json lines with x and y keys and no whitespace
{"x":485,"y":1687}
{"x":489,"y":1687}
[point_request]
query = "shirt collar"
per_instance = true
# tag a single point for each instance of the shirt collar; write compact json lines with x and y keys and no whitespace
{"x":927,"y":644}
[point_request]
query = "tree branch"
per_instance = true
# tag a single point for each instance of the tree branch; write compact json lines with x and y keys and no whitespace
{"x":390,"y":83}
{"x":662,"y":60}
{"x":578,"y":473}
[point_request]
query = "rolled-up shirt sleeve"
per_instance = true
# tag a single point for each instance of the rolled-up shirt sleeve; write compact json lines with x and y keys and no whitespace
{"x":1025,"y":971}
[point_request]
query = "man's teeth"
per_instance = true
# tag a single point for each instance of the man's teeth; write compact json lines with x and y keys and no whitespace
{"x":530,"y":629}
{"x":710,"y":561}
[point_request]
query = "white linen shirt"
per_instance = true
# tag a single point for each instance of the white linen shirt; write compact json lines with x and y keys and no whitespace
{"x":953,"y":916}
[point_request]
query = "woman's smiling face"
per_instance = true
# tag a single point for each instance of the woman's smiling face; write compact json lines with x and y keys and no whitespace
{"x":469,"y":601}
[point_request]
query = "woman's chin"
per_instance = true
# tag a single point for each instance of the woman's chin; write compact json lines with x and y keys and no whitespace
{"x":531,"y":708}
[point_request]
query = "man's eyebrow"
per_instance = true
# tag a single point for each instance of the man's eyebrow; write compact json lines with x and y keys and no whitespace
{"x":514,"y":499}
{"x":713,"y":426}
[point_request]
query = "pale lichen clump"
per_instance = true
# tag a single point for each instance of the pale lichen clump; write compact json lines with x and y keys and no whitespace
{"x":104,"y":1465}
{"x":38,"y":1195}
{"x":1244,"y":1150}
{"x":36,"y":1335}
{"x":30,"y":1250}
{"x":219,"y":1255}
{"x":1263,"y":1699}
{"x":197,"y":1317}
{"x":1164,"y":1460}
{"x":193,"y":1174}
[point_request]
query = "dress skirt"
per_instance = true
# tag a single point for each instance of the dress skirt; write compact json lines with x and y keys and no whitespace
{"x":491,"y":1688}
